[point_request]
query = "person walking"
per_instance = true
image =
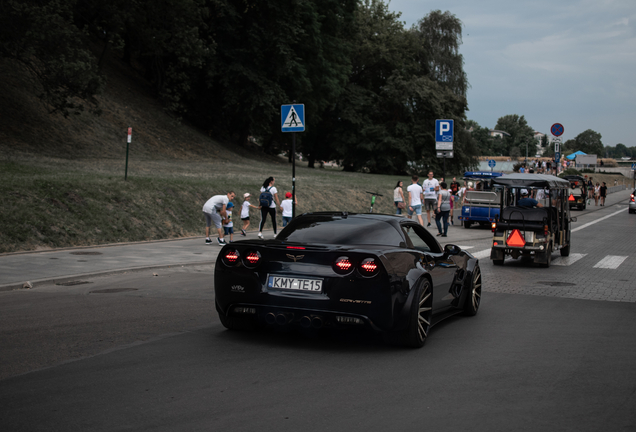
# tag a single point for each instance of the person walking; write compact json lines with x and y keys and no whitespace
{"x":597,"y":193}
{"x":398,"y":198}
{"x":442,"y":209}
{"x":415,"y":199}
{"x":287,"y":207}
{"x":603,"y":192}
{"x":430,"y":187}
{"x":454,"y":190}
{"x":215,"y":210}
{"x":268,"y":202}
{"x":245,"y":212}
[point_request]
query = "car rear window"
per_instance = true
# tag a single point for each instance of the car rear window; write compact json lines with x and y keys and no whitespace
{"x":343,"y":231}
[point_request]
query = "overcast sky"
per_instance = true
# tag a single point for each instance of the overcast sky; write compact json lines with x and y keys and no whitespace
{"x":562,"y":61}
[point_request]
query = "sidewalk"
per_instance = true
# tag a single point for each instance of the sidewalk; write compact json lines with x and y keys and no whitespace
{"x":64,"y":265}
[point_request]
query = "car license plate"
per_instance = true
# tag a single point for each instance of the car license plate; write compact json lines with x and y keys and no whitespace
{"x":291,"y":283}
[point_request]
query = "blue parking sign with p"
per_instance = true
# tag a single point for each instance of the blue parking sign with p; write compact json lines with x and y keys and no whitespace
{"x":444,"y":130}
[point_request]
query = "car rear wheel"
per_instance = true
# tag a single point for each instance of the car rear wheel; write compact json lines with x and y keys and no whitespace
{"x":420,"y":316}
{"x":471,"y":306}
{"x":565,"y":250}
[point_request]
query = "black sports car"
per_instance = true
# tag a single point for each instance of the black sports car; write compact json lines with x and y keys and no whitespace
{"x":338,"y":270}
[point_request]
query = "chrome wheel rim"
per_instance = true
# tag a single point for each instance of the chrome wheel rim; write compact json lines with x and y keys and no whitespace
{"x":424,"y":315}
{"x":476,"y":292}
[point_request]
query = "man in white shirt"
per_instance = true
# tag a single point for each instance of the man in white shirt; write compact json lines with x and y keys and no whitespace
{"x":431,"y":188}
{"x":415,"y":199}
{"x":214,"y":210}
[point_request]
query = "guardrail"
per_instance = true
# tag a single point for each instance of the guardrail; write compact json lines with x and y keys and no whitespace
{"x":618,"y":188}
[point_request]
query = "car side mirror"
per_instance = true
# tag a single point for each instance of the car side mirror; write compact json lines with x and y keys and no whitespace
{"x":573,"y":219}
{"x":451,"y":249}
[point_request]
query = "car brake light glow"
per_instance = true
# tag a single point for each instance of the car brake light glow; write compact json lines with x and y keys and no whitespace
{"x":253,"y":257}
{"x":343,"y":263}
{"x":295,"y":247}
{"x":368,"y":267}
{"x":516,"y":239}
{"x":493,"y":225}
{"x":231,"y":256}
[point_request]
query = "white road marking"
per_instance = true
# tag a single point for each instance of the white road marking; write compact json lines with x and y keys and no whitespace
{"x":610,"y":262}
{"x":568,"y":260}
{"x":597,"y":220}
{"x":482,"y":254}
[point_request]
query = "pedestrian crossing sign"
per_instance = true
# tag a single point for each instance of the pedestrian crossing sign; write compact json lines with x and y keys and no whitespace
{"x":292,"y":118}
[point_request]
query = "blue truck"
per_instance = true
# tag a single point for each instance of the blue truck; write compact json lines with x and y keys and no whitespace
{"x":480,"y":203}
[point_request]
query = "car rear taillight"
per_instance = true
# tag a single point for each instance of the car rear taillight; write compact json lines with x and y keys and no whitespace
{"x":632,"y":198}
{"x":493,"y":226}
{"x":231,"y":257}
{"x":251,"y":259}
{"x":343,"y":265}
{"x":369,"y":267}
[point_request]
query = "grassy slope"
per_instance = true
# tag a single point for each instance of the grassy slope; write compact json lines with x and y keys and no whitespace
{"x":62,"y":180}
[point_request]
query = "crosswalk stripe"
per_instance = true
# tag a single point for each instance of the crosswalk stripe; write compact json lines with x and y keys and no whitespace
{"x":568,"y":260}
{"x":596,"y":221}
{"x":610,"y":262}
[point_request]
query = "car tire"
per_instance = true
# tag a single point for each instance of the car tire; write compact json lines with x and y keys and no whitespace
{"x":236,"y":323}
{"x":473,"y":297}
{"x":565,"y":250}
{"x":420,"y":316}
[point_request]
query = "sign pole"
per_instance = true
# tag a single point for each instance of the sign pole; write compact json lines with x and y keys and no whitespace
{"x":444,"y":170}
{"x":293,"y":175}
{"x":293,"y":120}
{"x":127,"y":146}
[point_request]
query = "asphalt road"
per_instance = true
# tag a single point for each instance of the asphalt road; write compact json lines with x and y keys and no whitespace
{"x":550,"y":349}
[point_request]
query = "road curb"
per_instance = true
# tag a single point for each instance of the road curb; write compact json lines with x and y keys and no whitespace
{"x":70,"y":278}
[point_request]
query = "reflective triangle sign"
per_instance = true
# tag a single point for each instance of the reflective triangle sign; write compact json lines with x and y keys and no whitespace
{"x":292,"y":118}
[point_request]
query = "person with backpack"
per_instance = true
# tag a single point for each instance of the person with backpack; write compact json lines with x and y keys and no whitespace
{"x":268,"y":201}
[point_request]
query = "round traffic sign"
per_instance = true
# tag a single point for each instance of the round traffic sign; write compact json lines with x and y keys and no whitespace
{"x":492,"y":163}
{"x":557,"y":129}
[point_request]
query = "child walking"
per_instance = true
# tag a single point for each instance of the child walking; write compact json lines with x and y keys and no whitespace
{"x":286,"y":207}
{"x":228,"y":227}
{"x":245,"y":212}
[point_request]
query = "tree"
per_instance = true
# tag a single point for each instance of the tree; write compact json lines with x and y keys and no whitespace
{"x":590,"y":142}
{"x":43,"y":38}
{"x":521,"y":135}
{"x":385,"y":117}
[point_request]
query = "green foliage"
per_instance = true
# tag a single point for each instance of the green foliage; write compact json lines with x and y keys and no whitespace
{"x":589,"y":142}
{"x":521,"y":139}
{"x":620,"y":151}
{"x":372,"y":89}
{"x":43,"y":38}
{"x":570,"y":171}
